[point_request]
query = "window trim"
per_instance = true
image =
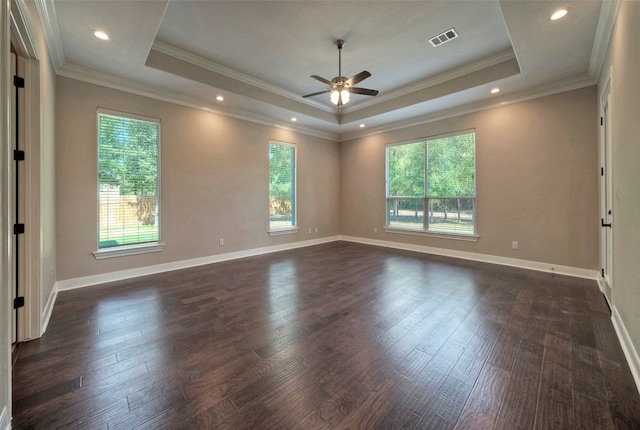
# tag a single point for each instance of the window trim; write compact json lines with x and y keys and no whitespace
{"x":470,"y":237}
{"x":121,"y":251}
{"x":293,"y":229}
{"x":440,"y":235}
{"x":134,"y":248}
{"x":283,"y":231}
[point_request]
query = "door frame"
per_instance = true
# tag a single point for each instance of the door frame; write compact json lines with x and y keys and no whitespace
{"x":26,"y":47}
{"x":606,"y":209}
{"x":5,"y":276}
{"x":15,"y":97}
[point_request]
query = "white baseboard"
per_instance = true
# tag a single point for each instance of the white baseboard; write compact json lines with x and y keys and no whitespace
{"x":485,"y":258}
{"x":70,"y":284}
{"x":630,"y":352}
{"x":606,"y":292}
{"x":48,"y":309}
{"x":5,"y":423}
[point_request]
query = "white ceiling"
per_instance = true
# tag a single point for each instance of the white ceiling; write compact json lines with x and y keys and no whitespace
{"x":260,"y":54}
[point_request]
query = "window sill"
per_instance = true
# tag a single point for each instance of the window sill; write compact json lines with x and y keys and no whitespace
{"x":450,"y":236}
{"x":283,"y":232}
{"x":121,"y":251}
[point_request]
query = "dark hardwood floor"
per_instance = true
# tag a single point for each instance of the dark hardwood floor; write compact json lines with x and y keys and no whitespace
{"x":339,"y":336}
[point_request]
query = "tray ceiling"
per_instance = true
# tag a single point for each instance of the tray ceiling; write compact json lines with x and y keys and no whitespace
{"x":259,"y":55}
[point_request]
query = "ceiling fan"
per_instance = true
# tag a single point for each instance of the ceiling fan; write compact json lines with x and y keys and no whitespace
{"x":340,"y":87}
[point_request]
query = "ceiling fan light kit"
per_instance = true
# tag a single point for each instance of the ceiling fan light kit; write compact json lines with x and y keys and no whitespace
{"x":337,"y":96}
{"x":340,"y":87}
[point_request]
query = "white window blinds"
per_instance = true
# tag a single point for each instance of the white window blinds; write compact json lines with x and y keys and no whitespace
{"x":128,"y":182}
{"x":282,"y":186}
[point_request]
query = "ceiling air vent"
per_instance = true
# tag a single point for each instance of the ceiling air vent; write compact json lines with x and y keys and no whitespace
{"x":443,"y":37}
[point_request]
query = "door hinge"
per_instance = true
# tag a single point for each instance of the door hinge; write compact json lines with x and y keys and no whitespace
{"x":601,"y":121}
{"x":602,"y":272}
{"x":18,"y":302}
{"x":18,"y":82}
{"x":602,"y":171}
{"x":18,"y":155}
{"x":18,"y":229}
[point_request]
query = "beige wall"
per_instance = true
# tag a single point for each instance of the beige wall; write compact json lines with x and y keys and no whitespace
{"x":624,"y":62}
{"x":537,"y":183}
{"x":214,"y":179}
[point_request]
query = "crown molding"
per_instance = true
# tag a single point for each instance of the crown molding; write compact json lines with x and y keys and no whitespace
{"x":196,"y":60}
{"x":478,"y":78}
{"x":544,"y":90}
{"x":212,"y":79}
{"x":116,"y":83}
{"x":606,"y":22}
{"x":441,"y":78}
{"x":49,"y":19}
{"x":449,"y":75}
{"x":109,"y":81}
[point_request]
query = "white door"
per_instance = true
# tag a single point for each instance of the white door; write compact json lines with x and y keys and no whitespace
{"x":606,"y":200}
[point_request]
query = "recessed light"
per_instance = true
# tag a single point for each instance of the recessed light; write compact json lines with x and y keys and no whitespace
{"x":101,"y":35}
{"x":495,"y":90}
{"x":220,"y":98}
{"x":560,"y":13}
{"x":361,"y":125}
{"x":294,"y":119}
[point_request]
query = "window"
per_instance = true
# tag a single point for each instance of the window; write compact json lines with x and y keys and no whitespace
{"x":431,"y":185}
{"x":128,"y":180}
{"x":282,"y":187}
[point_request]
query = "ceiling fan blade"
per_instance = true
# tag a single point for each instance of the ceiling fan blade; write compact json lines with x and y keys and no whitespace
{"x":363,"y":91}
{"x":323,"y":80}
{"x":328,"y":90}
{"x":358,"y":78}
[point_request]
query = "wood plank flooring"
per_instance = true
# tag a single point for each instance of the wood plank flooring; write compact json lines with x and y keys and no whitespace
{"x":334,"y":336}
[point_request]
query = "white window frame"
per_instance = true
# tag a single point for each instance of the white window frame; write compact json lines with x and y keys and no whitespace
{"x":470,"y":237}
{"x":138,"y":248}
{"x":294,"y":228}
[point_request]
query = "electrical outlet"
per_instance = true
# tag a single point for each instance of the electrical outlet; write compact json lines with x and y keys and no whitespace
{"x":309,"y":231}
{"x":375,"y":230}
{"x":221,"y":242}
{"x":514,"y":244}
{"x":316,"y":229}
